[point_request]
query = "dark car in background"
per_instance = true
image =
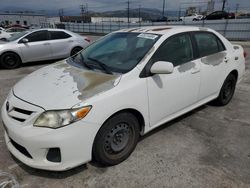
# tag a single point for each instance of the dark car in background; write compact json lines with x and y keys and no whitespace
{"x":217,"y":15}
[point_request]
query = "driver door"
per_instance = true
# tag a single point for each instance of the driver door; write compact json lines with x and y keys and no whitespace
{"x":170,"y":94}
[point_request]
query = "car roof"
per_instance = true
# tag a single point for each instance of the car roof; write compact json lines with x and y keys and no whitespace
{"x":49,"y":29}
{"x":162,"y":30}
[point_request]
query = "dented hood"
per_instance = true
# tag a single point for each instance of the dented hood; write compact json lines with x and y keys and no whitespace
{"x":61,"y":86}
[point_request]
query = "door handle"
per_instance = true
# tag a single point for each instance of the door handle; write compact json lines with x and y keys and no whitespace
{"x":226,"y":60}
{"x":46,"y":43}
{"x":70,"y":41}
{"x":195,"y":70}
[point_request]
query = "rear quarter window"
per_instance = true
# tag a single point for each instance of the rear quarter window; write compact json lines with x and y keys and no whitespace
{"x":208,"y":43}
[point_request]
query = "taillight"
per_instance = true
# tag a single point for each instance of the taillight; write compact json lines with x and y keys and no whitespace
{"x":245,"y":54}
{"x":87,"y":39}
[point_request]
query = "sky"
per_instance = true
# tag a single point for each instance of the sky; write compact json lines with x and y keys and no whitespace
{"x":104,"y":5}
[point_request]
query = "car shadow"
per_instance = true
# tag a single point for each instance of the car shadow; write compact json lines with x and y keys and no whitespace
{"x":172,"y":122}
{"x":50,"y":174}
{"x":37,"y":63}
{"x":79,"y":169}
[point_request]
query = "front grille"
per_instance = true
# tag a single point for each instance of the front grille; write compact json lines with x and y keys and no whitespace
{"x":18,"y":114}
{"x":27,"y":112}
{"x":21,"y":149}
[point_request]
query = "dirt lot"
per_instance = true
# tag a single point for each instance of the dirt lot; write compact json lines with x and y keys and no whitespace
{"x":209,"y":147}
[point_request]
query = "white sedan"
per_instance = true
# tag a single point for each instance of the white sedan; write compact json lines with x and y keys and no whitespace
{"x":4,"y":35}
{"x":193,"y":17}
{"x":96,"y":104}
{"x":40,"y":45}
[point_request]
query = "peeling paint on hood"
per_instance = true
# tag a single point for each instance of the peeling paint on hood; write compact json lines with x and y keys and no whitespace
{"x":61,"y":86}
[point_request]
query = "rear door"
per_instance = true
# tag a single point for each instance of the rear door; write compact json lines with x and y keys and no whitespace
{"x":61,"y":44}
{"x":213,"y":58}
{"x":37,"y":48}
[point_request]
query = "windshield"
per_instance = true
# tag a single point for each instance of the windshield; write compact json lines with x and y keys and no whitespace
{"x":17,"y":36}
{"x":117,"y":52}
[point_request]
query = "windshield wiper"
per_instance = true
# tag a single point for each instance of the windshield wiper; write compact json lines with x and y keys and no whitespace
{"x":84,"y":63}
{"x":102,"y":65}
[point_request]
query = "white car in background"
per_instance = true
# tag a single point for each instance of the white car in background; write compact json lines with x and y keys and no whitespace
{"x":96,"y":104}
{"x":193,"y":17}
{"x":4,"y":35}
{"x":40,"y":45}
{"x":15,"y":30}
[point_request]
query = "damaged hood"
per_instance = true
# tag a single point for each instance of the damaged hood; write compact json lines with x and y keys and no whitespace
{"x":61,"y":86}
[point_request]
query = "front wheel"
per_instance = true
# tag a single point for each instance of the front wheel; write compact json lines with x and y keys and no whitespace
{"x":116,"y":139}
{"x":227,"y":91}
{"x":10,"y":60}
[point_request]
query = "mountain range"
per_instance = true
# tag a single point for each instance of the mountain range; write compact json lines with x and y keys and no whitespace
{"x":146,"y":13}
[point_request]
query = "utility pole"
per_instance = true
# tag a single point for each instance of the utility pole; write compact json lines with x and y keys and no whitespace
{"x":236,"y":10}
{"x":87,"y":9}
{"x":128,"y":10}
{"x":84,"y":11}
{"x":60,"y":12}
{"x":223,"y":5}
{"x":139,"y":13}
{"x":163,"y":9}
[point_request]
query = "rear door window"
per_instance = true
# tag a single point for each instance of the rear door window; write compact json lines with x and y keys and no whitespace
{"x":208,"y":44}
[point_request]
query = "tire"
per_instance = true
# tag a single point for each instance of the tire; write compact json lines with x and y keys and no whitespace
{"x":10,"y":60}
{"x":227,"y":91}
{"x":75,"y":51}
{"x":116,"y":139}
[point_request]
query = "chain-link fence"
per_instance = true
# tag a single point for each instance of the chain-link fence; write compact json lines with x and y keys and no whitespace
{"x":233,"y":29}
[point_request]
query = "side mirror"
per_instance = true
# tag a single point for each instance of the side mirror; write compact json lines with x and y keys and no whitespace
{"x":162,"y":67}
{"x":24,"y":40}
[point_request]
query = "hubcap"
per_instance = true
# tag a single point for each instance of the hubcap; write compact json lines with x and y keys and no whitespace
{"x":117,"y":139}
{"x":10,"y":60}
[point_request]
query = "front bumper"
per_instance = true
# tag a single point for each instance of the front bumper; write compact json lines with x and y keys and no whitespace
{"x":74,"y":141}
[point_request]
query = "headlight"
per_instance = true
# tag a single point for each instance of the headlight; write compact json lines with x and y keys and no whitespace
{"x":59,"y":118}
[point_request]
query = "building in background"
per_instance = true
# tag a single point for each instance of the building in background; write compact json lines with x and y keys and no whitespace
{"x":115,"y":19}
{"x":24,"y":18}
{"x":75,"y":19}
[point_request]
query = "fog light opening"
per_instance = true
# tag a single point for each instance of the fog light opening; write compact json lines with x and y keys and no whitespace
{"x":54,"y":155}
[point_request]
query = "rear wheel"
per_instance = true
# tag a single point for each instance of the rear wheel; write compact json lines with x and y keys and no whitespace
{"x":227,"y":91}
{"x":116,"y":139}
{"x":75,"y":51}
{"x":10,"y":60}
